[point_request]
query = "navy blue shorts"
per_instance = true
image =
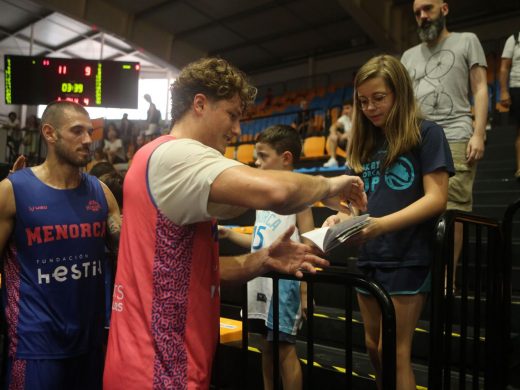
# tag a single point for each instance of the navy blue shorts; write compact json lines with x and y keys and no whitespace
{"x":400,"y":281}
{"x":258,"y":326}
{"x":84,"y":372}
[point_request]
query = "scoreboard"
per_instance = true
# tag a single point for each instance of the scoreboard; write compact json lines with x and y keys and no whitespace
{"x":41,"y":80}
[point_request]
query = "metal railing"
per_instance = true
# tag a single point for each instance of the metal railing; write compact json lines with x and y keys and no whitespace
{"x":507,"y":233}
{"x":350,"y":281}
{"x":479,"y":356}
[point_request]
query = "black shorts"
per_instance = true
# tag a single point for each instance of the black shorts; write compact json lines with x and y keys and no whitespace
{"x":400,"y":281}
{"x":258,"y":326}
{"x":514,"y":110}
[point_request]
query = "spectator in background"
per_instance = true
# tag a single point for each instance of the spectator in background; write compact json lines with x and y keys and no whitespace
{"x":339,"y":134}
{"x":443,"y":90}
{"x":113,"y":145}
{"x":14,"y":135}
{"x":510,"y":92}
{"x":278,"y":147}
{"x":126,"y":129}
{"x":31,"y":139}
{"x":302,"y":124}
{"x":99,"y":156}
{"x":102,"y":168}
{"x":134,"y":146}
{"x":153,"y":118}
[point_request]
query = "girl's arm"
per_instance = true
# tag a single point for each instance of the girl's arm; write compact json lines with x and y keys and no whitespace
{"x":432,"y":203}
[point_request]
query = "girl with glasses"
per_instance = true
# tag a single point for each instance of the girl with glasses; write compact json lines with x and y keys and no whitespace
{"x":405,"y":163}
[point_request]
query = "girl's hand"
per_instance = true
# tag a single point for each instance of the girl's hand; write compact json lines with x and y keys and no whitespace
{"x":374,"y":228}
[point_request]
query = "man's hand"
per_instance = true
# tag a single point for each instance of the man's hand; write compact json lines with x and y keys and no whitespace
{"x":345,"y":189}
{"x":475,"y":149}
{"x":505,"y":98}
{"x":290,"y":257}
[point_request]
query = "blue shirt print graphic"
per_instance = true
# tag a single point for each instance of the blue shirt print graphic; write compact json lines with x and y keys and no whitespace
{"x":400,"y":175}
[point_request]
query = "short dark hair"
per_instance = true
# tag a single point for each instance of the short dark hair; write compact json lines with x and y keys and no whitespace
{"x":282,"y":138}
{"x":114,"y":182}
{"x":214,"y":77}
{"x":53,"y":112}
{"x":102,"y":168}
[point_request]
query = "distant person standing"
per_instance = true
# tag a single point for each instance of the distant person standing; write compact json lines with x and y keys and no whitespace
{"x":153,"y":117}
{"x":126,"y":130}
{"x":510,"y":93}
{"x":443,"y":68}
{"x":14,"y":135}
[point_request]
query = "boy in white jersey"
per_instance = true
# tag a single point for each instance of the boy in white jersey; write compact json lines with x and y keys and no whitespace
{"x":278,"y":147}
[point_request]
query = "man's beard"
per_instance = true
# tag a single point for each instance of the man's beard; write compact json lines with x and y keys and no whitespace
{"x":70,"y":157}
{"x":430,"y":31}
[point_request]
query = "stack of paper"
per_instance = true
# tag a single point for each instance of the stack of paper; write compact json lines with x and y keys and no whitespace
{"x":327,"y":238}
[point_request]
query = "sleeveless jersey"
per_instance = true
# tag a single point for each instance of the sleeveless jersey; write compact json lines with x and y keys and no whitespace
{"x":165,"y":310}
{"x":268,"y":227}
{"x":54,"y":264}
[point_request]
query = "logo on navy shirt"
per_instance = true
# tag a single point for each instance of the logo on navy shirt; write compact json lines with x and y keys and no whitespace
{"x":400,"y":175}
{"x":93,"y":206}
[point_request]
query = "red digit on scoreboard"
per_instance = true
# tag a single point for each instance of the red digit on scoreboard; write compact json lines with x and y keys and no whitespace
{"x":88,"y":71}
{"x":62,"y":69}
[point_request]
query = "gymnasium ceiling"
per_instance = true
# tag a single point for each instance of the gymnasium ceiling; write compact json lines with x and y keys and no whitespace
{"x":256,"y":35}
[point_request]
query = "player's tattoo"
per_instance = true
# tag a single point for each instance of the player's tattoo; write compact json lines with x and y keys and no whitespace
{"x":114,"y":230}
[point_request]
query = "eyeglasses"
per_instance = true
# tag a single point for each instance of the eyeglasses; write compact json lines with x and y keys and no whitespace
{"x":376,"y":101}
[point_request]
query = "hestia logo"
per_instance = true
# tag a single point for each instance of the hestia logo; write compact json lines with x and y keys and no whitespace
{"x":62,"y":273}
{"x":400,"y":175}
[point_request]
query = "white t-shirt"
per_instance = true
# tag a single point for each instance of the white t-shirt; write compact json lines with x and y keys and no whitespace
{"x":346,"y":123}
{"x":180,"y":174}
{"x":512,"y":51}
{"x":115,"y":146}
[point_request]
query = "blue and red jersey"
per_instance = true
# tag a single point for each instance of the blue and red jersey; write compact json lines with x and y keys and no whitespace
{"x":54,"y":266}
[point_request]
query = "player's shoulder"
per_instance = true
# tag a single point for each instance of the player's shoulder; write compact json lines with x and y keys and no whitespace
{"x":7,"y":205}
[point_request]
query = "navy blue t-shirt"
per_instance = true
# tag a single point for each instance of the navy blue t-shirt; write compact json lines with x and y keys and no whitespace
{"x":397,"y":187}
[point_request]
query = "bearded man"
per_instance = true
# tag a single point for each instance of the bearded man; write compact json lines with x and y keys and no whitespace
{"x":55,"y":223}
{"x":442,"y":68}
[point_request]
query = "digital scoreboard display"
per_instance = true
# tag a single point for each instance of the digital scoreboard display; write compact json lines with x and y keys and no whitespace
{"x":41,"y":80}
